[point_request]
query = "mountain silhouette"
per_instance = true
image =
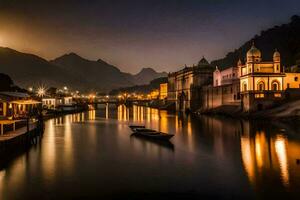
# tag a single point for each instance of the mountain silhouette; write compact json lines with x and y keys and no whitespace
{"x":284,"y":38}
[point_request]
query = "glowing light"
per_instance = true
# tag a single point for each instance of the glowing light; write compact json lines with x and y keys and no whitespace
{"x":41,"y":91}
{"x":280,"y":149}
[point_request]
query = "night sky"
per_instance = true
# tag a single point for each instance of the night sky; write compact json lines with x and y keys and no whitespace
{"x":130,"y":34}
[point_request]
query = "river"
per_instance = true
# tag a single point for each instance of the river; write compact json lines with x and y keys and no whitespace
{"x":92,"y":154}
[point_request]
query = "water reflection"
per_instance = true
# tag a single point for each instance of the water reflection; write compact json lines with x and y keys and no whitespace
{"x":266,"y":156}
{"x":164,"y":144}
{"x":281,"y":152}
{"x":237,"y":158}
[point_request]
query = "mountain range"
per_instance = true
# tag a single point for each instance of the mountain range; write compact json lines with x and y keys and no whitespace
{"x":83,"y":74}
{"x":70,"y":70}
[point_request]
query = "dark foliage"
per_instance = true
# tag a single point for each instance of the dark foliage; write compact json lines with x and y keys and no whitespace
{"x":284,"y":38}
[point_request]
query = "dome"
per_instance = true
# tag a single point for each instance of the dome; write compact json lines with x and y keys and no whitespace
{"x":203,"y":61}
{"x":276,"y":54}
{"x":253,"y":52}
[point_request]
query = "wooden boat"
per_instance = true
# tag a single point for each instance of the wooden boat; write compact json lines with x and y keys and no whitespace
{"x":162,"y":143}
{"x":133,"y":127}
{"x":155,"y":135}
{"x":152,"y":134}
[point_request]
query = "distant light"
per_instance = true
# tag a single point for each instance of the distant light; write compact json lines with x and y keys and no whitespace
{"x":41,"y":91}
{"x":65,"y":88}
{"x":30,"y":89}
{"x":107,"y":96}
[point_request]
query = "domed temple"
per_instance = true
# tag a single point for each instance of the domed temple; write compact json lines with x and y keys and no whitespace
{"x":251,"y":86}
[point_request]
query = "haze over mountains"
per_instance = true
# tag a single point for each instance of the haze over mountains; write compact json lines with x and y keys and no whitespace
{"x":70,"y":70}
{"x":82,"y":74}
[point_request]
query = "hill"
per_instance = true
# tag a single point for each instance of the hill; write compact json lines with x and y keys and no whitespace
{"x":70,"y":70}
{"x":146,"y":75}
{"x":97,"y":74}
{"x":284,"y":38}
{"x":28,"y":69}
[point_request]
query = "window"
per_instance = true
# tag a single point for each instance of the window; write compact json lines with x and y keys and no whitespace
{"x":245,"y":87}
{"x":277,"y":95}
{"x":261,"y":86}
{"x":296,"y":78}
{"x":259,"y":96}
{"x":275,"y":86}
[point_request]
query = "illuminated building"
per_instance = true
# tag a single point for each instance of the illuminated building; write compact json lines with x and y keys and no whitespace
{"x":154,"y":94}
{"x":255,"y":85}
{"x":184,"y":86}
{"x":16,"y":104}
{"x":261,"y":83}
{"x":163,"y":91}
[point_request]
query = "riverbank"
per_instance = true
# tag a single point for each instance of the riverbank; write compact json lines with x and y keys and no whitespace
{"x":286,"y":111}
{"x":16,"y":142}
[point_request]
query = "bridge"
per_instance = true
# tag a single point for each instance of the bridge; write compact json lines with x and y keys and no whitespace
{"x":117,"y":101}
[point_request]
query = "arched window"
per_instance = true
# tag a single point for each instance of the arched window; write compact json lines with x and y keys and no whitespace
{"x":244,"y":87}
{"x":275,"y":85}
{"x":261,"y":86}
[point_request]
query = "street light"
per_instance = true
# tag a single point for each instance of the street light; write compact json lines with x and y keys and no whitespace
{"x":41,"y":91}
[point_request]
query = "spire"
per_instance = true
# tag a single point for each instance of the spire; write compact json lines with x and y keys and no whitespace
{"x":239,"y":63}
{"x":253,"y":43}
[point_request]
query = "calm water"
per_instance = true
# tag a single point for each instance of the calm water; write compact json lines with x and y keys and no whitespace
{"x":89,"y":155}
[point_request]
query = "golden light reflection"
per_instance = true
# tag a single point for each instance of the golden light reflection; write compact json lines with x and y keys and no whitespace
{"x":49,"y":152}
{"x":163,"y":121}
{"x":148,"y":114}
{"x":106,"y":111}
{"x":260,"y":146}
{"x":2,"y":176}
{"x":266,"y":156}
{"x":247,"y":158}
{"x":123,"y":113}
{"x":68,"y":142}
{"x":92,"y":114}
{"x":281,"y":152}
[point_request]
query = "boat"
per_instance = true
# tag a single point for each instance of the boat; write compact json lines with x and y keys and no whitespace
{"x":150,"y":133}
{"x":162,"y":143}
{"x":133,"y":127}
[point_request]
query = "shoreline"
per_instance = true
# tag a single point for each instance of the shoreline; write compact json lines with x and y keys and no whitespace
{"x":15,"y":146}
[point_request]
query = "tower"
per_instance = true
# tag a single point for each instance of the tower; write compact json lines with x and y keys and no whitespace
{"x":276,"y":60}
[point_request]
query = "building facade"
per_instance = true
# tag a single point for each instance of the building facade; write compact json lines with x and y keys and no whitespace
{"x":254,"y":85}
{"x":184,"y":86}
{"x":163,"y":91}
{"x":261,"y":83}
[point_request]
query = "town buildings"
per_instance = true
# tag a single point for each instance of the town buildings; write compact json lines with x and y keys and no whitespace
{"x":254,"y":85}
{"x":15,"y":105}
{"x":57,"y":102}
{"x":250,"y":86}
